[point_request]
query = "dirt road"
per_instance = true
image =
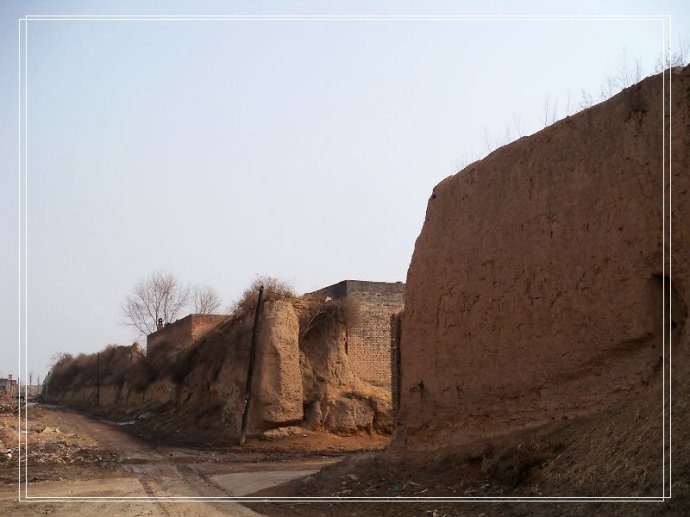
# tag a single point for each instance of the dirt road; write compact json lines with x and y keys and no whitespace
{"x":144,"y":475}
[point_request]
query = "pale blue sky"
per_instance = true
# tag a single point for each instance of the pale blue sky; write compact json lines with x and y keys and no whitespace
{"x":219,"y":150}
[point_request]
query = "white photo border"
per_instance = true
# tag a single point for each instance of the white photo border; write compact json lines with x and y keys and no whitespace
{"x":22,"y":72}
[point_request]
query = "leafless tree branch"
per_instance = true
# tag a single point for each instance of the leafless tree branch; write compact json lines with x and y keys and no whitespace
{"x":206,"y":300}
{"x":161,"y":295}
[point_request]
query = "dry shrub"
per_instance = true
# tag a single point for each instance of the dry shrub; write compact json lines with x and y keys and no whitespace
{"x":116,"y":365}
{"x":215,"y":352}
{"x":69,"y":372}
{"x":159,"y":360}
{"x":274,"y":289}
{"x":181,"y":365}
{"x":62,"y":371}
{"x":349,"y":311}
{"x":140,"y":375}
{"x":168,"y":361}
{"x":321,"y":314}
{"x":211,"y":351}
{"x":124,"y":364}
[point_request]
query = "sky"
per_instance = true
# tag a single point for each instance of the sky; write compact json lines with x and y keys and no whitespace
{"x":219,"y":150}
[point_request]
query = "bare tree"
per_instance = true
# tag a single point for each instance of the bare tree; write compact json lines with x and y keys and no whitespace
{"x":517,"y":124}
{"x":160,"y":296}
{"x":464,"y":160}
{"x":587,"y":100}
{"x":488,"y":141}
{"x":508,"y":136}
{"x":550,"y":114}
{"x":682,"y":56}
{"x":274,"y":289}
{"x":545,"y":116}
{"x":668,"y":58}
{"x":206,"y":300}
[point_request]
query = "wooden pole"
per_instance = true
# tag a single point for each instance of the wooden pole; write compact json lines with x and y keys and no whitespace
{"x":250,"y":369}
{"x":98,"y":379}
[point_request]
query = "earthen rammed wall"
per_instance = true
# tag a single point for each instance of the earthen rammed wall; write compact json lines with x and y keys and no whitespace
{"x":535,"y":289}
{"x":300,"y":378}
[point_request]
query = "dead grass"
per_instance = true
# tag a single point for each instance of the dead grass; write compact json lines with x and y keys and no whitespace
{"x":274,"y":289}
{"x":318,"y":316}
{"x":114,"y":365}
{"x":512,"y":467}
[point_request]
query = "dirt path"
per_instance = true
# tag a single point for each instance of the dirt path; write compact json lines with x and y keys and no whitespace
{"x":152,"y":471}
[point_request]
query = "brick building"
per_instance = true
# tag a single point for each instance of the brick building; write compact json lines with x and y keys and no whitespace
{"x":369,"y":336}
{"x":182,"y":333}
{"x":8,"y":387}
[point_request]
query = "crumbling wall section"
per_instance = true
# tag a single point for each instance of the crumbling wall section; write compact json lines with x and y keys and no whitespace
{"x":278,"y":381}
{"x":300,"y":365}
{"x":368,"y":334}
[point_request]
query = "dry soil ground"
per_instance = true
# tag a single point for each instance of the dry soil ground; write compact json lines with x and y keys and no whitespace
{"x":75,"y":455}
{"x":612,"y":454}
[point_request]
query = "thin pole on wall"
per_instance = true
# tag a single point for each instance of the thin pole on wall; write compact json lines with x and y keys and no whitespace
{"x":98,"y":379}
{"x":250,"y":369}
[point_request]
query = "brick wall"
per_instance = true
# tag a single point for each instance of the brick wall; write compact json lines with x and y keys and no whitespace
{"x":202,"y":323}
{"x":369,"y":335}
{"x":183,"y":332}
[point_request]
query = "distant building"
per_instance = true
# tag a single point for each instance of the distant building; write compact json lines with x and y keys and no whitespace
{"x":182,"y":333}
{"x":8,"y":387}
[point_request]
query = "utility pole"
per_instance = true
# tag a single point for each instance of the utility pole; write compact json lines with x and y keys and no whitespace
{"x":250,"y":370}
{"x":98,"y":379}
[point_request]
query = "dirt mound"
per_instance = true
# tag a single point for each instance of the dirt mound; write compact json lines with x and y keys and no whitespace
{"x":535,"y":289}
{"x":614,"y":452}
{"x":47,"y":447}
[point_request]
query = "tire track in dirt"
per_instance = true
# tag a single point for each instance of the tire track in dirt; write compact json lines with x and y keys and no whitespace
{"x":148,"y":488}
{"x":158,"y":471}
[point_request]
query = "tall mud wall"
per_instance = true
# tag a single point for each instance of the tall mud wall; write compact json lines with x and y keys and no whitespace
{"x":535,"y":289}
{"x":278,"y":381}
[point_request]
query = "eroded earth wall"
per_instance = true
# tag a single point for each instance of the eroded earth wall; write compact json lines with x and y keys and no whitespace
{"x":535,"y":289}
{"x":302,"y":376}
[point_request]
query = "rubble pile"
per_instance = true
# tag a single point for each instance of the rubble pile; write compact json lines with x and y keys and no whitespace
{"x":9,"y":407}
{"x":44,"y":444}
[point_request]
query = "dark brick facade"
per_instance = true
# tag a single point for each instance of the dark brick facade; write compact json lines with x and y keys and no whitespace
{"x":369,"y":335}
